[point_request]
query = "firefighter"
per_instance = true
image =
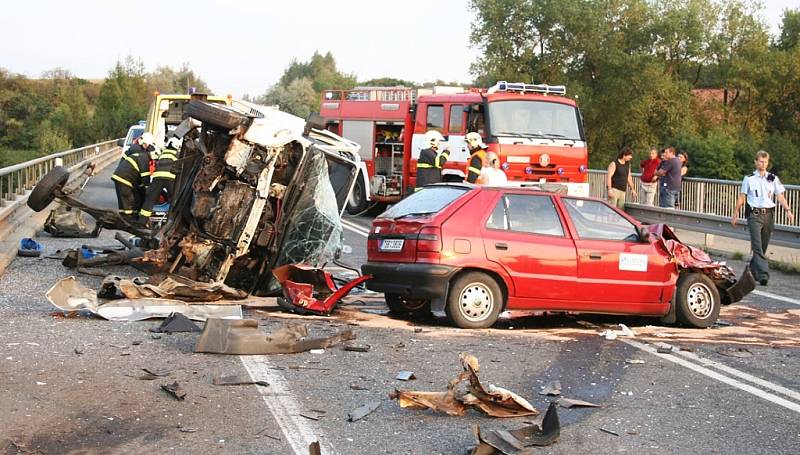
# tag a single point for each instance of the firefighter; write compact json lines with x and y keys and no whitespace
{"x":130,"y":181}
{"x":145,"y":143}
{"x":162,"y":178}
{"x":431,"y":161}
{"x":477,"y":158}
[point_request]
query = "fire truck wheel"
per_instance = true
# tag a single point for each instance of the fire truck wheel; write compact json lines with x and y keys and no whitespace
{"x":44,"y":191}
{"x":218,"y":115}
{"x":357,"y":202}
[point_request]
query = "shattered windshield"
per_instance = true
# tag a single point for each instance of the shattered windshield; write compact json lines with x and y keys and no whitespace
{"x":537,"y":119}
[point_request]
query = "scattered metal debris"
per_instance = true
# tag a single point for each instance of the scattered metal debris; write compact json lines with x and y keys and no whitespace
{"x":608,"y":334}
{"x":613,"y":433}
{"x":517,"y":441}
{"x":552,"y":388}
{"x":491,"y":400}
{"x":242,"y":337}
{"x":405,"y":376}
{"x":358,"y":387}
{"x":187,"y":430}
{"x":665,"y":348}
{"x":635,"y":361}
{"x":573,"y":403}
{"x":309,"y":290}
{"x":238,"y":380}
{"x":176,"y":322}
{"x":150,"y":375}
{"x":626,"y":331}
{"x":175,"y":390}
{"x":362,"y":411}
{"x":356,"y":347}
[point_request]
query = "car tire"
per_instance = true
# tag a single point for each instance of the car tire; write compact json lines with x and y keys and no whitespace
{"x":474,"y":301}
{"x":697,"y":300}
{"x":216,"y":114}
{"x":357,"y":200}
{"x":44,"y":191}
{"x":400,"y":305}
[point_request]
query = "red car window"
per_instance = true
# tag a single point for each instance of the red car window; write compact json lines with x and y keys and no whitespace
{"x":596,"y":220}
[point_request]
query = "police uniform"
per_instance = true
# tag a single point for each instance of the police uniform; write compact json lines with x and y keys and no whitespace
{"x":477,"y":161}
{"x":130,"y":179}
{"x":162,"y":179}
{"x":429,"y":166}
{"x":761,"y":191}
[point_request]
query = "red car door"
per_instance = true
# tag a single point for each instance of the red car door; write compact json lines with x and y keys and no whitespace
{"x":526,"y":236}
{"x":614,"y":266}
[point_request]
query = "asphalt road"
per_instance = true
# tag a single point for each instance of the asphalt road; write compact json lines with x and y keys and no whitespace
{"x":71,"y":385}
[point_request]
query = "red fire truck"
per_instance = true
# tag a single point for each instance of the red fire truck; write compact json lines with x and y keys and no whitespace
{"x":535,"y":129}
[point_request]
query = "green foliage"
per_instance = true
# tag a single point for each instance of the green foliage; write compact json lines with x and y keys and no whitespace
{"x":298,"y":98}
{"x":123,"y":99}
{"x":385,"y":82}
{"x":633,"y":66}
{"x":167,"y":80}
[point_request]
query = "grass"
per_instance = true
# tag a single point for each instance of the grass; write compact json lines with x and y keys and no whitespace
{"x":11,"y":157}
{"x":737,"y":255}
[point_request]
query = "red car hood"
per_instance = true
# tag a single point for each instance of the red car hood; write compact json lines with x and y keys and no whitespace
{"x":686,"y":256}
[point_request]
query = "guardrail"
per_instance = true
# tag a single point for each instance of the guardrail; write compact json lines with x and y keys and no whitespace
{"x":20,"y":178}
{"x":704,"y":196}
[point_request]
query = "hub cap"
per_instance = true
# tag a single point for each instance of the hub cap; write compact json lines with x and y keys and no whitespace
{"x":476,"y":302}
{"x":700,"y":300}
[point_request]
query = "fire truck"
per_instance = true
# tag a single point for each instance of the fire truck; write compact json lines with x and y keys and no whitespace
{"x":534,"y":128}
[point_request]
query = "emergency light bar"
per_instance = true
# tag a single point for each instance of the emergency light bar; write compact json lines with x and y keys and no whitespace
{"x":503,"y":86}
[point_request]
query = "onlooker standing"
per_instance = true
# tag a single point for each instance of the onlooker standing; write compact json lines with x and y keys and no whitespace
{"x":684,"y":157}
{"x":670,"y":184}
{"x":758,"y":191}
{"x":618,"y":178}
{"x":649,"y":177}
{"x":491,"y":174}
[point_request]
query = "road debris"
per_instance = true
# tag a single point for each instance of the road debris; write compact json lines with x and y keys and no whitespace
{"x":491,"y":400}
{"x":573,"y":403}
{"x":634,"y":361}
{"x":608,"y":334}
{"x":405,"y":376}
{"x":613,"y":433}
{"x":517,"y":441}
{"x":69,"y":295}
{"x":187,"y":430}
{"x":735,"y":352}
{"x":310,"y":290}
{"x":313,"y":448}
{"x":242,"y":337}
{"x":175,"y":390}
{"x":176,"y":322}
{"x":665,"y":348}
{"x":362,"y":411}
{"x":356,"y":347}
{"x":552,"y":388}
{"x":150,"y":375}
{"x":29,"y":248}
{"x":626,"y":331}
{"x":238,"y":380}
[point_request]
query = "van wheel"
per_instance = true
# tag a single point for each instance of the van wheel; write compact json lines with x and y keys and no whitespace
{"x":357,"y":201}
{"x":474,"y":301}
{"x":44,"y":191}
{"x":697,"y":300}
{"x":219,"y":115}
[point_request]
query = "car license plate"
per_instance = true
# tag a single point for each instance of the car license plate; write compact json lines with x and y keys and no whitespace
{"x":392,"y":244}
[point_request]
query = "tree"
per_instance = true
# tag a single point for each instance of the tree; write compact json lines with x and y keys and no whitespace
{"x":166,"y":80}
{"x":123,"y":98}
{"x":387,"y":82}
{"x":297,"y":98}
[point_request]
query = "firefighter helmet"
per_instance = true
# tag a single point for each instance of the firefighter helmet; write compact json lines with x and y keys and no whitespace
{"x":433,"y":137}
{"x":147,"y":139}
{"x":474,"y":141}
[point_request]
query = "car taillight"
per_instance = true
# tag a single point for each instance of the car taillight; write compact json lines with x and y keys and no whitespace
{"x":429,"y":239}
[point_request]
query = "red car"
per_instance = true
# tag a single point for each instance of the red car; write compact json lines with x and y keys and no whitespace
{"x":476,"y":251}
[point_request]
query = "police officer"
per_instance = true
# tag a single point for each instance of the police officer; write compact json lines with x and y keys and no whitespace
{"x":759,"y":190}
{"x":163,"y":178}
{"x":130,"y":180}
{"x":145,"y":143}
{"x":477,"y":158}
{"x":430,"y":161}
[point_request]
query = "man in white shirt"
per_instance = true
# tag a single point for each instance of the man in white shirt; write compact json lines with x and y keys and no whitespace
{"x":491,"y":174}
{"x":759,"y":191}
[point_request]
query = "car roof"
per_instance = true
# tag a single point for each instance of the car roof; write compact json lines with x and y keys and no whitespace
{"x":534,"y":188}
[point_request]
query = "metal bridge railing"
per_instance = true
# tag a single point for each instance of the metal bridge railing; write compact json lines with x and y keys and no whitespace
{"x":20,"y":178}
{"x":706,"y":196}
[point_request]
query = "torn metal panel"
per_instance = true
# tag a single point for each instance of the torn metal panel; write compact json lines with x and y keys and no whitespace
{"x":68,"y":222}
{"x":363,"y":411}
{"x":70,"y":295}
{"x":243,"y":337}
{"x":172,"y":288}
{"x":517,"y":442}
{"x":438,"y":401}
{"x":141,"y":309}
{"x":311,"y":290}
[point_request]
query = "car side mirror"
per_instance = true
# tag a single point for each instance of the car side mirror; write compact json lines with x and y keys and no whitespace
{"x":643,"y":233}
{"x":120,"y":142}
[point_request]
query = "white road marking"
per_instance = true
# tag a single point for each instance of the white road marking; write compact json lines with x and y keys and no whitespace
{"x":741,"y":374}
{"x":299,"y":431}
{"x":718,"y":376}
{"x":355,"y":228}
{"x":770,"y":295}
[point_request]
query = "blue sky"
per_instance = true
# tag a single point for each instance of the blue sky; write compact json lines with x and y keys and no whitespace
{"x":245,"y":48}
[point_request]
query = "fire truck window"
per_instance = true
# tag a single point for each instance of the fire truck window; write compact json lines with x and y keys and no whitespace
{"x":456,"y":119}
{"x":435,"y":118}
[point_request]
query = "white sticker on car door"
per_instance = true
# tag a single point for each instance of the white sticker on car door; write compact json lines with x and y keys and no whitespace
{"x":633,"y":262}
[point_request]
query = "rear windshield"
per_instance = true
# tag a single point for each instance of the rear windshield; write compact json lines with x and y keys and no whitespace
{"x":426,"y":201}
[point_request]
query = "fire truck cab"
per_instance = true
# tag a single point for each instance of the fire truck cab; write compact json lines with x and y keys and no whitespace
{"x":535,"y":129}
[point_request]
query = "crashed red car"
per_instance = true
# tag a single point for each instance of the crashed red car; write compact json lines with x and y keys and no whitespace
{"x":476,"y":251}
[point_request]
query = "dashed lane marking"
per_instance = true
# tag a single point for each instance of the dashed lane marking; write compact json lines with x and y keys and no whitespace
{"x":770,"y":295}
{"x":284,"y":407}
{"x":355,"y":228}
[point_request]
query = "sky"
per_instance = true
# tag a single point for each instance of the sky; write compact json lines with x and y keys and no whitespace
{"x":244,"y":49}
